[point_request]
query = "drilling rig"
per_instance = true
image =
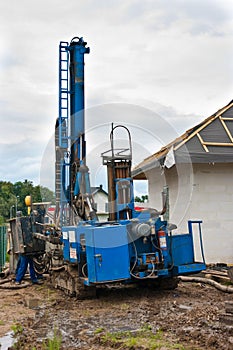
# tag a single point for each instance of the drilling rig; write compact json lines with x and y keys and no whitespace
{"x":81,"y":252}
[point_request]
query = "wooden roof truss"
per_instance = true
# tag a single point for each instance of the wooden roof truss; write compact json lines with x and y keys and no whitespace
{"x":204,"y":143}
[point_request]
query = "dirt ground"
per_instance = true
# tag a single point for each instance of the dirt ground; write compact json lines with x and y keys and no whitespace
{"x":119,"y":318}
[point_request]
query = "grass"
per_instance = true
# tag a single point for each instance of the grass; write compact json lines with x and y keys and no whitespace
{"x":227,"y":283}
{"x":99,"y":330}
{"x":51,"y":295}
{"x":53,"y":343}
{"x":17,"y":329}
{"x":144,"y":338}
{"x":125,"y":307}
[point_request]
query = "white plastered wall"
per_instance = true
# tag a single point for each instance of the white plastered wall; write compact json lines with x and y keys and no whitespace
{"x":199,"y":192}
{"x":101,"y":199}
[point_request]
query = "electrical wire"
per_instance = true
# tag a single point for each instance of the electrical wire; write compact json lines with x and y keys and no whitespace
{"x":158,"y":248}
{"x":170,"y":248}
{"x":136,"y":258}
{"x":83,"y":267}
{"x":145,"y":277}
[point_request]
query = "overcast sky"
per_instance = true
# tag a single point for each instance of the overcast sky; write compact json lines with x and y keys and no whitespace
{"x":165,"y":62}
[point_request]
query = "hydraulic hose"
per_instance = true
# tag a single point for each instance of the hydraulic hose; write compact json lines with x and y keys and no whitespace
{"x":226,"y":289}
{"x":7,"y":284}
{"x":5,"y":273}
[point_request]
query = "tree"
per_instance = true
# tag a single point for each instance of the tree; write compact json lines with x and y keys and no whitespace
{"x":142,"y":199}
{"x":12,"y":196}
{"x":138,"y":199}
{"x":47,"y":195}
{"x":1,"y":220}
{"x":6,"y":198}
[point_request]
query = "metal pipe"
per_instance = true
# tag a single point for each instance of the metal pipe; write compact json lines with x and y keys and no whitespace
{"x":77,"y":50}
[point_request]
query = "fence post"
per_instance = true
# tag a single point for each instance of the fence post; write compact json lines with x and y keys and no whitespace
{"x":2,"y":247}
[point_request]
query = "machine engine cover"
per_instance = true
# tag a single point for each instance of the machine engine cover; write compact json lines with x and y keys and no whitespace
{"x":107,"y":253}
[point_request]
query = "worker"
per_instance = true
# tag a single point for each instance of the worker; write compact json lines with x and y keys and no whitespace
{"x":18,"y":264}
{"x":24,"y":261}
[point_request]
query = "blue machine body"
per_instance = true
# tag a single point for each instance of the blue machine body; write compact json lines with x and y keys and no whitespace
{"x":132,"y":245}
{"x":112,"y":253}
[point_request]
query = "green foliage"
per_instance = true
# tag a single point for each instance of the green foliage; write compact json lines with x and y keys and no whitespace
{"x":17,"y":329}
{"x":99,"y":330}
{"x":142,"y":199}
{"x":54,"y":343}
{"x":12,"y":195}
{"x":144,"y":338}
{"x":2,"y":221}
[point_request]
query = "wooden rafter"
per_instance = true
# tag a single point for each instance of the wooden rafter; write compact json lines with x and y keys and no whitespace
{"x":226,"y":128}
{"x":189,"y":134}
{"x":202,"y":142}
{"x":203,"y":126}
{"x":221,"y":144}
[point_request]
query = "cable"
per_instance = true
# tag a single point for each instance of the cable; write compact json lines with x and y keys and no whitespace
{"x":83,"y":270}
{"x":7,"y":284}
{"x":145,"y":277}
{"x":158,"y":248}
{"x":136,"y":253}
{"x":136,"y":258}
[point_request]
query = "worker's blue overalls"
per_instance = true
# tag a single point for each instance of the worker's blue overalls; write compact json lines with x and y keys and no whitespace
{"x":24,"y":261}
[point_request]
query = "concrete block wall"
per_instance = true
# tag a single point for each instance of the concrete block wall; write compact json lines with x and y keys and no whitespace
{"x":199,"y":192}
{"x":213,"y":201}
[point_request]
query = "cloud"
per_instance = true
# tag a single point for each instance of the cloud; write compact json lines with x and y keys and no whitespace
{"x":174,"y":58}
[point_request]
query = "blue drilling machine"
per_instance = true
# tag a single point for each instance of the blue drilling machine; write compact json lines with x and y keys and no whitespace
{"x":131,"y":246}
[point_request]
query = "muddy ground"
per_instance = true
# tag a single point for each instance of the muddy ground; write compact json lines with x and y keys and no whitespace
{"x":119,"y":318}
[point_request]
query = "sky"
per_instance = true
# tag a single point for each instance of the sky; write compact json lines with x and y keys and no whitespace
{"x":157,"y":66}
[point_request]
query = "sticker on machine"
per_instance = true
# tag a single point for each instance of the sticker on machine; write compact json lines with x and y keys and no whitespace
{"x":72,"y":237}
{"x":162,"y":241}
{"x":73,"y":253}
{"x":65,"y":235}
